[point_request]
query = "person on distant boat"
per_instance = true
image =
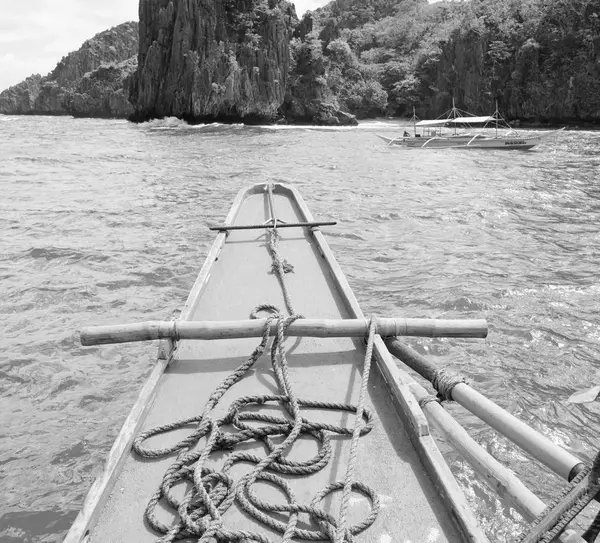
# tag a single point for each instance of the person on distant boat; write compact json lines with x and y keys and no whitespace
{"x":406,"y":134}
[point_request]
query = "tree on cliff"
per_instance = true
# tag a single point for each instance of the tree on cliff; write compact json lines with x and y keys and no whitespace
{"x":251,"y":60}
{"x":354,"y":83}
{"x":538,"y":58}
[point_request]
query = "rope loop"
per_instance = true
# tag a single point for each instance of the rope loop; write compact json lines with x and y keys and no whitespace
{"x":211,"y":493}
{"x":329,"y":524}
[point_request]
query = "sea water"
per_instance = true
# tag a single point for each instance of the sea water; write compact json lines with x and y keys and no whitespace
{"x":106,"y":221}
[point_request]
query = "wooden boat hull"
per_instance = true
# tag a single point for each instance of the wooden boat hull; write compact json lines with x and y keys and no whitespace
{"x":469,"y":142}
{"x":420,"y":499}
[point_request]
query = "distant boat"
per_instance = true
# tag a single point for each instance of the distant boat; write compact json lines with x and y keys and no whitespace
{"x":462,"y":133}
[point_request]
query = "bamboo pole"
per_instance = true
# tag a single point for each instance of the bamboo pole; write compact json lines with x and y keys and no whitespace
{"x":541,"y":448}
{"x":501,"y":479}
{"x":312,"y":224}
{"x":123,"y":333}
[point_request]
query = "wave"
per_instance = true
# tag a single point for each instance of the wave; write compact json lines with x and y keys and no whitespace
{"x":54,"y":253}
{"x":346,"y":235}
{"x":173,"y":123}
{"x":558,"y":289}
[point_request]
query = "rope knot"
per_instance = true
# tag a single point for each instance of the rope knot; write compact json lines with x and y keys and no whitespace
{"x":428,"y":399}
{"x":176,"y":338}
{"x":444,"y":381}
{"x":284,"y":265}
{"x":225,"y":442}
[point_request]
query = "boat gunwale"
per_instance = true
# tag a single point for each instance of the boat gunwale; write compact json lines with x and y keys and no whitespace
{"x":396,"y":379}
{"x":103,"y":485}
{"x":407,"y":407}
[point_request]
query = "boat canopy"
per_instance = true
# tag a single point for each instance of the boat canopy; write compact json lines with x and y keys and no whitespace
{"x":471,"y":120}
{"x":435,"y":122}
{"x":456,"y":120}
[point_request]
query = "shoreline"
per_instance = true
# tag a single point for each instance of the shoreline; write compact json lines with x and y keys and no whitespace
{"x":549,"y":124}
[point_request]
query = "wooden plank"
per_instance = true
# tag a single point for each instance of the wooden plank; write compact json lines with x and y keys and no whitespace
{"x":226,"y":227}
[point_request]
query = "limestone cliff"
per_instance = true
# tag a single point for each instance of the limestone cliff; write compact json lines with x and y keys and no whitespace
{"x":200,"y":60}
{"x":20,"y":99}
{"x":529,"y":82}
{"x":213,"y":60}
{"x":90,"y":81}
{"x":103,"y":92}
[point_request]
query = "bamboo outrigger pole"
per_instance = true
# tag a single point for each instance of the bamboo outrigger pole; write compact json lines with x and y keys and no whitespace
{"x":541,"y":448}
{"x":501,"y":479}
{"x":124,"y":333}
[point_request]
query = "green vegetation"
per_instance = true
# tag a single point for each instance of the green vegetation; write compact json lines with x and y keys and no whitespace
{"x":248,"y":19}
{"x":539,"y":59}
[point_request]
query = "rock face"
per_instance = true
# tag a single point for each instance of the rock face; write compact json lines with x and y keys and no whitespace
{"x":103,"y":92}
{"x":199,"y":60}
{"x":529,"y":85}
{"x":539,"y":61}
{"x":213,"y":60}
{"x":20,"y":99}
{"x":90,"y":82}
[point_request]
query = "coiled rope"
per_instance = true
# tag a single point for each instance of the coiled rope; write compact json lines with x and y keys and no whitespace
{"x":212,"y":493}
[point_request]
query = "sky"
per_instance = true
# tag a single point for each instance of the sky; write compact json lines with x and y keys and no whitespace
{"x":36,"y":34}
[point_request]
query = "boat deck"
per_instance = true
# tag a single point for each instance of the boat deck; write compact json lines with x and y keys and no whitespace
{"x":328,"y":369}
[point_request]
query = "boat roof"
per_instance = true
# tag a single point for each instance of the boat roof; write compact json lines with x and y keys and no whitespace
{"x":434,"y":122}
{"x":471,"y":120}
{"x":457,"y":120}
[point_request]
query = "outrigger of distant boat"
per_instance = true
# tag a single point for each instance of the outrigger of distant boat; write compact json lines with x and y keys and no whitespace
{"x":432,"y":135}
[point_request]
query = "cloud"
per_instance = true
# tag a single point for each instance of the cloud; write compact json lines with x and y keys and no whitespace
{"x":308,"y":5}
{"x":13,"y":68}
{"x":36,"y":34}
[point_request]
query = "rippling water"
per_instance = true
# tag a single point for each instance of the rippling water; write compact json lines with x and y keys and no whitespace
{"x":106,"y":221}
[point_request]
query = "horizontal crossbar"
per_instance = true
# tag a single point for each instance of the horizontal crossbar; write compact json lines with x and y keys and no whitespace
{"x":387,"y":327}
{"x":226,"y":227}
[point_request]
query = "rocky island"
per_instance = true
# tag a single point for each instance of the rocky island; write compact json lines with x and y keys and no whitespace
{"x":227,"y":61}
{"x":253,"y":61}
{"x":90,"y":82}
